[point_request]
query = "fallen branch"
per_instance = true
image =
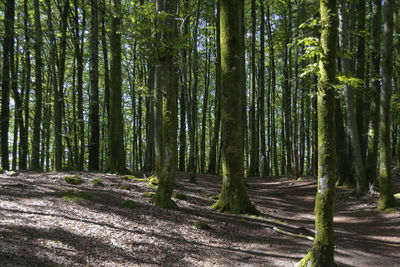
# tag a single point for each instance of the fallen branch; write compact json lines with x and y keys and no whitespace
{"x":292,"y":234}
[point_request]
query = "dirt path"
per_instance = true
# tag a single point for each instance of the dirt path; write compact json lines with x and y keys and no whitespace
{"x":46,"y":222}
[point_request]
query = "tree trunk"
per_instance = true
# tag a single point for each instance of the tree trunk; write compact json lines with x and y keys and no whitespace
{"x":8,"y":46}
{"x":94,"y":91}
{"x":386,"y":199}
{"x":375,"y":85}
{"x":166,"y":72}
{"x":352,"y":130}
{"x":253,"y":95}
{"x":264,"y":165}
{"x":35,"y":164}
{"x":212,"y":167}
{"x":234,"y":197}
{"x":117,"y":149}
{"x":322,"y":252}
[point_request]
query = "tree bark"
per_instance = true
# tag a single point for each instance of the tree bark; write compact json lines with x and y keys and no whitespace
{"x":386,"y":198}
{"x":322,"y":252}
{"x":234,"y":197}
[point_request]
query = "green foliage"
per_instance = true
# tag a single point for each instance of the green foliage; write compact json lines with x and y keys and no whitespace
{"x":1,"y":170}
{"x":179,"y":195}
{"x":97,"y":182}
{"x":132,"y":177}
{"x":153,"y":183}
{"x":130,"y":204}
{"x":75,"y":180}
{"x":201,"y":225}
{"x":397,"y":196}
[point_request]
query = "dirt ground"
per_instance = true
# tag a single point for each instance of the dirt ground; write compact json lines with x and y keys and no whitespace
{"x":46,"y":222}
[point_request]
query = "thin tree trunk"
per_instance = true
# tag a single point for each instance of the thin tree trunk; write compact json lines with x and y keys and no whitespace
{"x":94,"y":91}
{"x":35,"y":164}
{"x":264,"y":165}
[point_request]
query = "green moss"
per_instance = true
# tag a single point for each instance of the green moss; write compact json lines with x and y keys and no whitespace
{"x":132,"y":177}
{"x":300,"y":179}
{"x":179,"y":195}
{"x":129,"y":204}
{"x":397,"y":196}
{"x":125,"y":187}
{"x":201,"y":225}
{"x":154,"y":181}
{"x":75,"y":180}
{"x":155,"y":187}
{"x":148,"y":194}
{"x":97,"y":182}
{"x":168,"y":204}
{"x":216,"y":197}
{"x":75,"y":196}
{"x":1,"y":170}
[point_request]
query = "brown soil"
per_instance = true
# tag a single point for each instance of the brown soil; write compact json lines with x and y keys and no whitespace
{"x":44,"y":223}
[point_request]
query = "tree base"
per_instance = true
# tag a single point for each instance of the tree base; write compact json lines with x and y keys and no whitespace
{"x":167,"y":204}
{"x":315,"y":259}
{"x":236,"y":208}
{"x":387,"y":203}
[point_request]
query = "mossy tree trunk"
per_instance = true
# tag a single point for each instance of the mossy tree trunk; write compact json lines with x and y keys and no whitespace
{"x":322,"y":252}
{"x":234,"y":197}
{"x":117,"y":150}
{"x":375,"y":85}
{"x":264,"y":161}
{"x":386,"y":198}
{"x":167,"y":74}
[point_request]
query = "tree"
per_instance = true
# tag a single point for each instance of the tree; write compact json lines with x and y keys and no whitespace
{"x":386,"y":198}
{"x":234,"y":197}
{"x":375,"y":85}
{"x":117,"y":150}
{"x":94,"y":90}
{"x":35,"y":164}
{"x":166,"y":73}
{"x":322,"y":252}
{"x":8,"y":46}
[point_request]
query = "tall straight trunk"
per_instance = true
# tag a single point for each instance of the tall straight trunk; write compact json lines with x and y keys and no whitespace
{"x":8,"y":46}
{"x":212,"y":167}
{"x":375,"y":87}
{"x":192,"y":131}
{"x":27,"y":82}
{"x":386,"y":199}
{"x":106,"y":105}
{"x":94,"y":91}
{"x":14,"y":56}
{"x":286,"y":96}
{"x":205,"y":106}
{"x":234,"y":197}
{"x":117,"y":149}
{"x":79,"y":43}
{"x":253,"y":95}
{"x":295,"y":154}
{"x":360,"y":93}
{"x":397,"y":67}
{"x":264,"y":165}
{"x":273,"y":89}
{"x":183,"y":100}
{"x":35,"y":164}
{"x":352,"y":130}
{"x":322,"y":252}
{"x":166,"y":71}
{"x":59,"y":96}
{"x":343,"y":160}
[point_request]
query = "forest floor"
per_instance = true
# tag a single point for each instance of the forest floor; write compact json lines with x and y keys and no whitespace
{"x":46,"y":222}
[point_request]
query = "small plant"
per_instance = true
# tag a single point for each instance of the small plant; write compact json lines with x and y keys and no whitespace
{"x":75,"y":180}
{"x":1,"y":170}
{"x":96,"y":182}
{"x":125,"y":187}
{"x":132,"y":177}
{"x":300,"y":179}
{"x":75,"y":196}
{"x":201,"y":225}
{"x":129,"y":204}
{"x":179,"y":195}
{"x":148,"y":194}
